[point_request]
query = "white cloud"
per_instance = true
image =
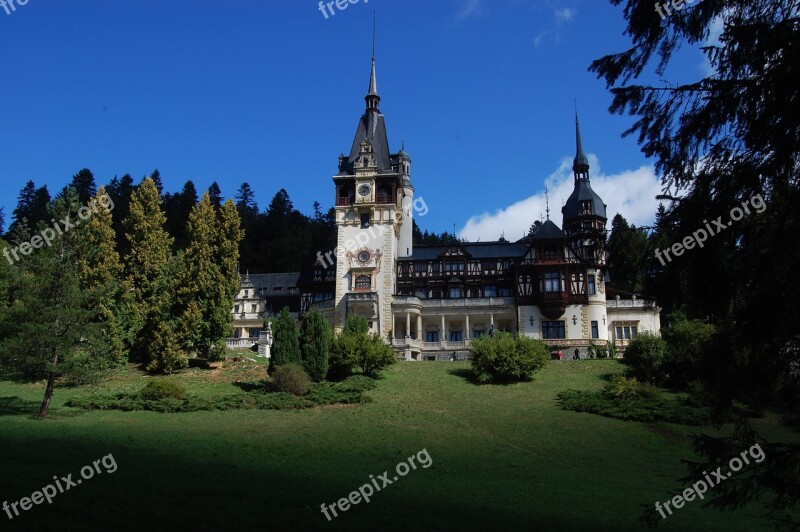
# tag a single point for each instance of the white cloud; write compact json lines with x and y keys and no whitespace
{"x":565,"y":14}
{"x":630,"y":193}
{"x":562,"y":16}
{"x":468,"y":9}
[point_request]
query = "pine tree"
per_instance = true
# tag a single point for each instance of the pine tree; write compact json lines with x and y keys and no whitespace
{"x":84,"y":185}
{"x":722,"y":141}
{"x":286,"y":345}
{"x":50,"y":330}
{"x":99,"y":274}
{"x":215,"y":194}
{"x":201,"y":287}
{"x":23,"y":213}
{"x":156,"y":178}
{"x":148,"y":271}
{"x":178,"y":208}
{"x":315,"y":344}
{"x":121,"y":192}
{"x":246,"y":201}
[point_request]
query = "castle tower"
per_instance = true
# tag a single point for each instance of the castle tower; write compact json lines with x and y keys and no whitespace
{"x":374,"y":200}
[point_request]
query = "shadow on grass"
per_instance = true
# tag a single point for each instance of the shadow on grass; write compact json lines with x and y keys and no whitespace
{"x":15,"y":406}
{"x":251,"y":386}
{"x":469,"y":376}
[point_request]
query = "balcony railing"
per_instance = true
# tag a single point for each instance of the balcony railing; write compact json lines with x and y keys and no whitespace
{"x":433,"y":304}
{"x":241,"y":343}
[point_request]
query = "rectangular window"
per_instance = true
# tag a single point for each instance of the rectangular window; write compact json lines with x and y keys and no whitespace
{"x":619,"y":333}
{"x":236,"y":309}
{"x":634,"y":332}
{"x":365,"y":220}
{"x":592,"y":287}
{"x":595,"y":330}
{"x":490,"y":290}
{"x":549,"y":253}
{"x":420,"y":267}
{"x":627,"y":333}
{"x":421,"y":293}
{"x":455,"y":293}
{"x":478,"y":333}
{"x":254,"y":332}
{"x":254,"y":308}
{"x":554,"y":330}
{"x":432,"y":336}
{"x":551,"y":282}
{"x":456,"y":336}
{"x":505,"y":292}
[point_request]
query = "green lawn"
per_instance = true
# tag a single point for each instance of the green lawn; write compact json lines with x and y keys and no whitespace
{"x":504,"y":458}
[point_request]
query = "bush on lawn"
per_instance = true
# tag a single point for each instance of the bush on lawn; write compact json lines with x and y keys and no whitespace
{"x":351,"y":391}
{"x":622,"y":387}
{"x":686,"y":342}
{"x":160,"y":389}
{"x":506,"y":358}
{"x":630,"y":400}
{"x":355,"y":349}
{"x":645,"y":355}
{"x":291,"y":378}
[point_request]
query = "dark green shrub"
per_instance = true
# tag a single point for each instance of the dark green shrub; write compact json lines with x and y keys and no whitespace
{"x":160,"y":389}
{"x":636,"y":408}
{"x":622,"y":387}
{"x":315,"y":345}
{"x":645,"y":355}
{"x":291,"y":378}
{"x":506,"y":358}
{"x":286,"y":346}
{"x":686,"y":342}
{"x":355,"y":348}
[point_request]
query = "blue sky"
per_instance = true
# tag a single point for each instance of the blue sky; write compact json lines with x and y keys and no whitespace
{"x":269,"y":92}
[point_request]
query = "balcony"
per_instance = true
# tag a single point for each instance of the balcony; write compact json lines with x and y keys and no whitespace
{"x":627,"y":303}
{"x":343,"y":202}
{"x":451,"y":304}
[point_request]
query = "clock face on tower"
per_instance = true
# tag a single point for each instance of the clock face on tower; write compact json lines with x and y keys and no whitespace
{"x":364,"y":190}
{"x":364,"y":257}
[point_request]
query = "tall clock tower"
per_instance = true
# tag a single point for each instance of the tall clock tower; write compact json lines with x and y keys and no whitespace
{"x":374,"y":198}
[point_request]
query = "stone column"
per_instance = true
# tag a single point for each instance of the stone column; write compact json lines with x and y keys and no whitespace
{"x":408,"y":325}
{"x":419,"y":327}
{"x":466,"y":332}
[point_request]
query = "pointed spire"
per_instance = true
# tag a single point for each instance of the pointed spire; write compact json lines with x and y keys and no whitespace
{"x":547,"y":199}
{"x":581,"y":164}
{"x":372,"y":95}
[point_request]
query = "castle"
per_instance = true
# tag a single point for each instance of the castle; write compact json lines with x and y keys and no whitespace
{"x":431,"y":301}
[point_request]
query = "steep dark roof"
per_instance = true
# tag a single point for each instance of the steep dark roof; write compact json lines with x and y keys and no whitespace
{"x":548,"y":231}
{"x":371,"y":127}
{"x":582,"y":192}
{"x":477,"y":250}
{"x":266,"y":283}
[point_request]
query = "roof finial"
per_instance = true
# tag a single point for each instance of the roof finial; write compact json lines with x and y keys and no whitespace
{"x":581,"y":164}
{"x":547,"y":199}
{"x":372,"y":96}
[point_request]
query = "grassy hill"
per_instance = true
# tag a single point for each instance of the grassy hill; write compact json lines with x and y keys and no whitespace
{"x":504,"y":458}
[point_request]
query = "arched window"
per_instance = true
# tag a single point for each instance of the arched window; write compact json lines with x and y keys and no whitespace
{"x":363,"y":282}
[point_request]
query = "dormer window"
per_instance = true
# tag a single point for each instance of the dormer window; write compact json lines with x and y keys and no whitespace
{"x":586,"y":207}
